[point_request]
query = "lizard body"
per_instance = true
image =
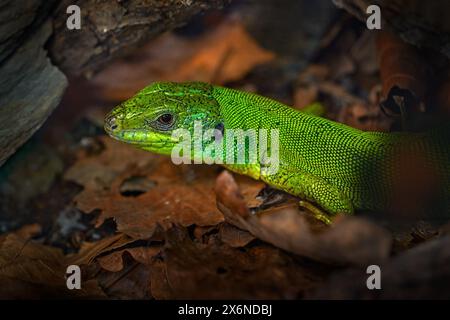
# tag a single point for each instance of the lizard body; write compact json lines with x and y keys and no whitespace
{"x":338,"y":167}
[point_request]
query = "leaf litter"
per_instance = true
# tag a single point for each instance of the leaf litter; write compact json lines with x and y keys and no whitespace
{"x":198,"y":231}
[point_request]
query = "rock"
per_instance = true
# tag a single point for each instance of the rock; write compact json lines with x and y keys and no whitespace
{"x":30,"y":88}
{"x":421,"y":23}
{"x":112,"y":28}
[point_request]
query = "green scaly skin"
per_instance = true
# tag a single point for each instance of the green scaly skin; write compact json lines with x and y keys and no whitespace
{"x":333,"y":165}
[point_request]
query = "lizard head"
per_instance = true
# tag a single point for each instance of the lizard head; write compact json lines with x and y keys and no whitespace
{"x":148,"y":119}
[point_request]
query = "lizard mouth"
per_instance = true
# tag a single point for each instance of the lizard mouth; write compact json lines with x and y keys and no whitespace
{"x":113,"y":128}
{"x":139,"y":137}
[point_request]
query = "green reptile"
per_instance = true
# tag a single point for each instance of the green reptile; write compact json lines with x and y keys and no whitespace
{"x":336,"y":167}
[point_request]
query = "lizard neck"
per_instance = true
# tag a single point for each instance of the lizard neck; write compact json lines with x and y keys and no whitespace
{"x":307,"y":142}
{"x":244,"y":110}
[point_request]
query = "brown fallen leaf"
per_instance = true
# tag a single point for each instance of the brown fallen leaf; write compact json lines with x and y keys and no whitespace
{"x":192,"y":270}
{"x":306,"y":89}
{"x":250,"y":190}
{"x":305,"y":95}
{"x":174,"y":58}
{"x":131,"y":282}
{"x":350,"y":240}
{"x":114,"y":261}
{"x":233,"y":236}
{"x":141,"y":190}
{"x":364,"y":116}
{"x":33,"y":271}
{"x":363,"y":53}
{"x":159,"y":286}
{"x":28,"y":231}
{"x":420,"y":273}
{"x":180,"y":194}
{"x":91,"y":250}
{"x":404,"y":75}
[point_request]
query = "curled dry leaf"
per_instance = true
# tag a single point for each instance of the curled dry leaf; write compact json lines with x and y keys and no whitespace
{"x":192,"y":270}
{"x":180,"y":194}
{"x":404,"y":75}
{"x":91,"y":250}
{"x":349,"y":240}
{"x":174,"y":58}
{"x":419,"y":273}
{"x":114,"y":261}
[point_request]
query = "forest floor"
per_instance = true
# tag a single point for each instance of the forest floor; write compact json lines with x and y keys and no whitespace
{"x":141,"y":227}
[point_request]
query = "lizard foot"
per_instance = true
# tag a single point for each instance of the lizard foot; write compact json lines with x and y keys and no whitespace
{"x":319,"y":214}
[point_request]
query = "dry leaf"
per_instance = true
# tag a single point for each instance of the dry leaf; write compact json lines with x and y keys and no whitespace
{"x":420,"y":273}
{"x":305,"y":95}
{"x":91,"y":250}
{"x":132,"y":282}
{"x":192,"y":270}
{"x":233,"y":236}
{"x":33,"y":271}
{"x":363,"y":116}
{"x":350,"y":240}
{"x":141,"y":190}
{"x":173,"y":58}
{"x":114,"y":261}
{"x":181,"y":194}
{"x":28,"y":231}
{"x":403,"y":73}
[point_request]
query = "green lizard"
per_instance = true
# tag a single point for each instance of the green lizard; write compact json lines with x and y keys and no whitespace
{"x":337,"y":167}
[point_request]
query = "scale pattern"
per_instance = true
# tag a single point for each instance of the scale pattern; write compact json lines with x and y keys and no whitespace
{"x":333,"y":165}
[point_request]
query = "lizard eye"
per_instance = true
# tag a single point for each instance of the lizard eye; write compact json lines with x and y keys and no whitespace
{"x":164,"y":122}
{"x":165,"y":119}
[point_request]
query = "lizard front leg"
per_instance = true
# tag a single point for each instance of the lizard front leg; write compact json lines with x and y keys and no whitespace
{"x":312,"y":188}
